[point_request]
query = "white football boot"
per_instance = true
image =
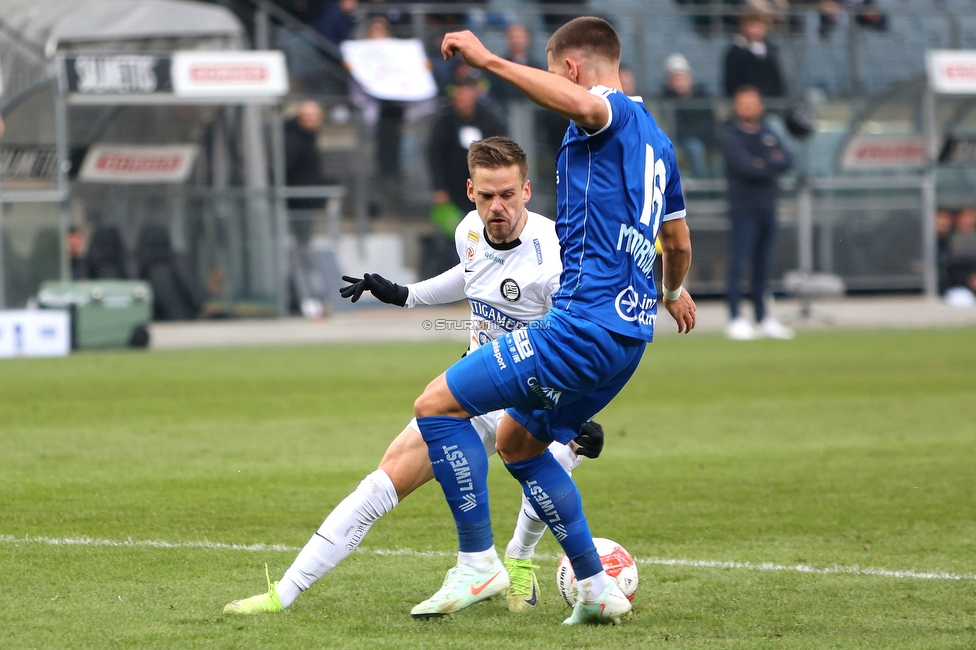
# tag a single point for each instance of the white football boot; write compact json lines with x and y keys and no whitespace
{"x":464,"y":586}
{"x":611,"y":606}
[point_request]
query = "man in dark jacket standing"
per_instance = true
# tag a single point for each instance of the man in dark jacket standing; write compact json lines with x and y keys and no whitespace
{"x":465,"y":121}
{"x":754,"y":158}
{"x":751,"y":60}
{"x":302,"y":167}
{"x":452,"y":134}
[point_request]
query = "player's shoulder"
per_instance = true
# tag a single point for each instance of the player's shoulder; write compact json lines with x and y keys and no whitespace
{"x":618,"y":97}
{"x":542,"y":227}
{"x":471,"y":221}
{"x":541,"y":235}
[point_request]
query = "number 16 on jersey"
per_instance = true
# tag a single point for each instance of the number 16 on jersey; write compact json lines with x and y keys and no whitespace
{"x":655,"y":180}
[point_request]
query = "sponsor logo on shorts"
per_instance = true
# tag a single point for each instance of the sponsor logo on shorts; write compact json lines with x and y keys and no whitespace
{"x":548,"y":396}
{"x":521,"y":346}
{"x":510,"y":290}
{"x":496,"y":351}
{"x":632,"y":307}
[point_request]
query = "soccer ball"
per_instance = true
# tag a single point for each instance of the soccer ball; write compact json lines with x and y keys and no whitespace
{"x":616,"y":561}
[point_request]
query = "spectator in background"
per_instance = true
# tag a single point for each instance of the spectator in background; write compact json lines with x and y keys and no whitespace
{"x":465,"y":121}
{"x":754,"y":159}
{"x":519,"y":41}
{"x":303,"y":167}
{"x":752,"y":61}
{"x":465,"y":74}
{"x":554,"y":21}
{"x":944,"y":219}
{"x":106,"y":257}
{"x":76,"y":254}
{"x":776,"y":10}
{"x":389,"y":122}
{"x":307,"y":11}
{"x":628,"y":82}
{"x":865,"y":13}
{"x":694,"y":126}
{"x":391,"y":11}
{"x":961,"y":270}
{"x":338,"y":21}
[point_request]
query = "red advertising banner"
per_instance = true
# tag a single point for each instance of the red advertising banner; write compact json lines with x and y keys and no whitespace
{"x":138,"y":164}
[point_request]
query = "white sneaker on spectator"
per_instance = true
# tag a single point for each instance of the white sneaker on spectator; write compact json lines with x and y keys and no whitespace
{"x":739,"y":329}
{"x":774,"y":329}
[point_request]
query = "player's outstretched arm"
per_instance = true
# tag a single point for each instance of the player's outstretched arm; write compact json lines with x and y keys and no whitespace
{"x":548,"y":90}
{"x":675,"y":241}
{"x":384,"y":290}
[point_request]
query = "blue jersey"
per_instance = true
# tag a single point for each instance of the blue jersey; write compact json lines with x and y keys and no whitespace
{"x":614,"y":188}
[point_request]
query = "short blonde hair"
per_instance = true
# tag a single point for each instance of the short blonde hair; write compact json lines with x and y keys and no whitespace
{"x":497,"y":152}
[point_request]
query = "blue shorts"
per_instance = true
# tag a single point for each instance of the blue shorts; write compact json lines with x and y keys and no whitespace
{"x":552,"y":377}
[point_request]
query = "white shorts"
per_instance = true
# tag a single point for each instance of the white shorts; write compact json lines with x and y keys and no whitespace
{"x":486,"y":425}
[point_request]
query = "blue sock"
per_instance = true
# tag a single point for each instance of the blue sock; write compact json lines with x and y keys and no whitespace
{"x":557,"y":501}
{"x":460,"y":465}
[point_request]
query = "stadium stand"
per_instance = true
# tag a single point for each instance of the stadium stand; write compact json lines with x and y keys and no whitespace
{"x":858,"y":80}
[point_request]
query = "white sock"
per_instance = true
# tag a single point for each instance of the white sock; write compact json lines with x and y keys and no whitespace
{"x":529,"y":529}
{"x":591,"y":588}
{"x":565,"y":456}
{"x":339,"y":534}
{"x":482,"y":560}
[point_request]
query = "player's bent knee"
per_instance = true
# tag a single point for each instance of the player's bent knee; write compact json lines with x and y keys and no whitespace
{"x":438,"y":400}
{"x":424,"y":406}
{"x":513,"y":442}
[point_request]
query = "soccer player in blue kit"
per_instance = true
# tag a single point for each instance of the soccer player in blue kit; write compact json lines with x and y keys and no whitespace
{"x":618,"y":190}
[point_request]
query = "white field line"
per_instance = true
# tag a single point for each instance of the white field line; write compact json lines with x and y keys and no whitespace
{"x":697,"y":564}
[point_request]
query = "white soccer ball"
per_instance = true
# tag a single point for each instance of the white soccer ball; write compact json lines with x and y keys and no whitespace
{"x":616,"y":561}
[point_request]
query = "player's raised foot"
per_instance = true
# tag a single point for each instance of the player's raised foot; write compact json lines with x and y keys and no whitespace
{"x":523,"y":593}
{"x":267,"y":602}
{"x":611,"y":606}
{"x":463,"y":586}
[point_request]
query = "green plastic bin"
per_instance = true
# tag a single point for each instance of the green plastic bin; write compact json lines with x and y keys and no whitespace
{"x":104,"y":313}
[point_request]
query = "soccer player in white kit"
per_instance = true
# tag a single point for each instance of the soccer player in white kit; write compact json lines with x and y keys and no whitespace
{"x":510,"y":267}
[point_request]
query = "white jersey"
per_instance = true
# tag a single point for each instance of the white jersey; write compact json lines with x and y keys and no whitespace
{"x":506,"y":285}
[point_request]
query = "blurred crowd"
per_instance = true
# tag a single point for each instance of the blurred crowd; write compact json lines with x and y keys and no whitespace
{"x":472,"y":105}
{"x":478,"y":103}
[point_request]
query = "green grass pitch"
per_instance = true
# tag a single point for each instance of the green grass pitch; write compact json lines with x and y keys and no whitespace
{"x":847,"y":450}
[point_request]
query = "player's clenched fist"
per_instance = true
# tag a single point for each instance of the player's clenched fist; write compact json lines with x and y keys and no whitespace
{"x":467,"y":44}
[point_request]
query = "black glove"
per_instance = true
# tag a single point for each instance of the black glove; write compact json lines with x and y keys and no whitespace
{"x":590,"y":440}
{"x":384,"y":290}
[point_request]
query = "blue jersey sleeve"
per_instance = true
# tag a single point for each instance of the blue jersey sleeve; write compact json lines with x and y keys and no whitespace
{"x":674,"y":200}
